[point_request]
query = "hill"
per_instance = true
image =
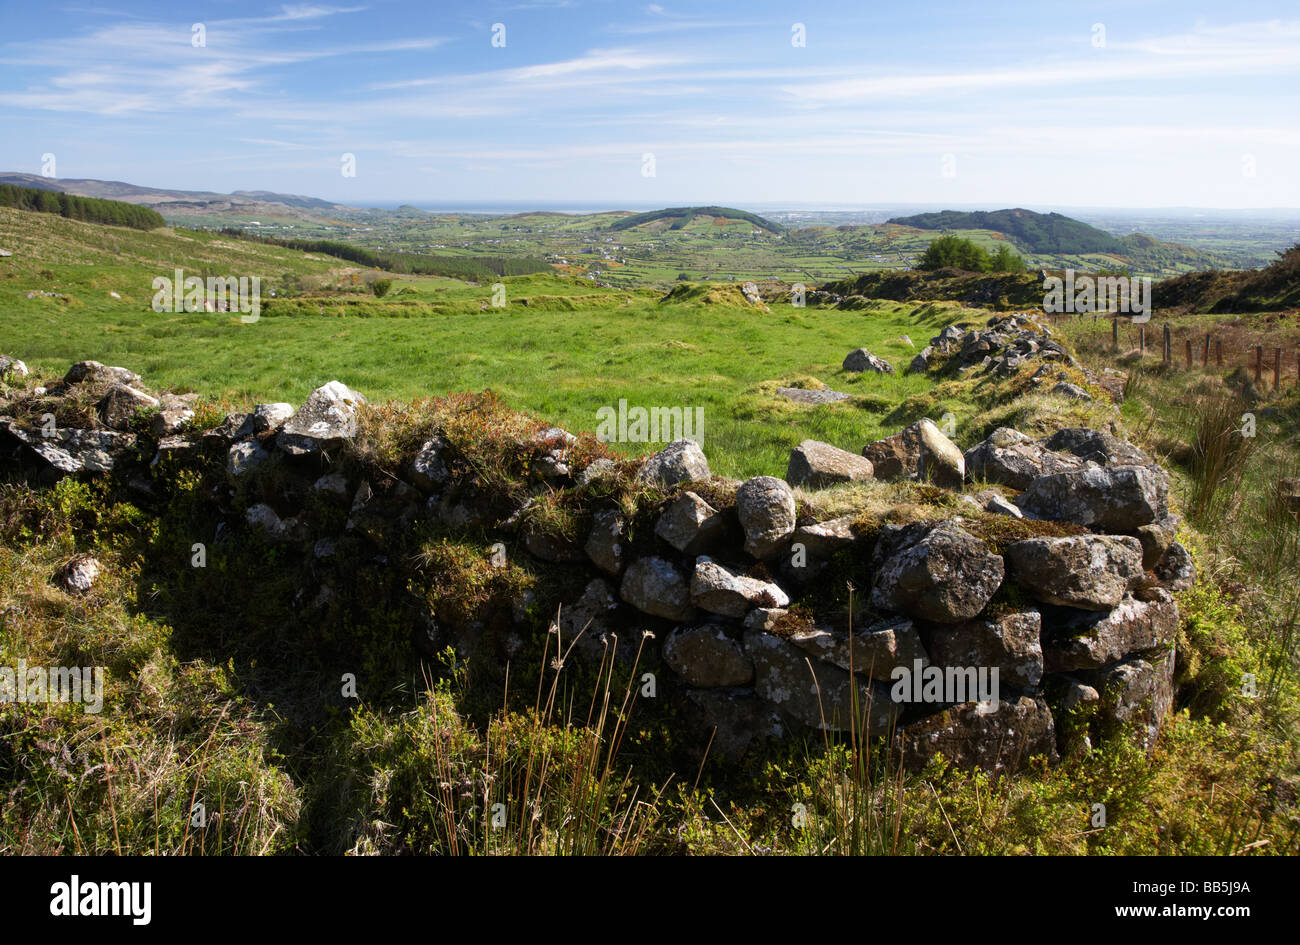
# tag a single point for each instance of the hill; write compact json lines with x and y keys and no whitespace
{"x":1272,"y":288}
{"x":191,"y":201}
{"x":1055,"y":241}
{"x":681,"y":216}
{"x":1035,"y":232}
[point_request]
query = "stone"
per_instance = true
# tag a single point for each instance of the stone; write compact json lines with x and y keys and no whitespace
{"x":270,"y":417}
{"x":1070,"y":391}
{"x":819,"y":695}
{"x":327,"y":419}
{"x":1000,"y":505}
{"x":245,"y":456}
{"x":1103,"y":498}
{"x":653,"y":586}
{"x":943,"y":574}
{"x":1074,"y":641}
{"x":428,"y":470}
{"x":815,"y":465}
{"x":861,"y":360}
{"x":12,"y":367}
{"x":874,"y":652}
{"x":732,"y":721}
{"x":690,"y":524}
{"x":801,"y":395}
{"x":941,"y":462}
{"x":332,"y":483}
{"x":227,"y":431}
{"x":823,"y":539}
{"x":174,"y":411}
{"x":1010,"y":458}
{"x":706,"y":657}
{"x":79,"y":575}
{"x":1090,"y":572}
{"x":1010,"y":642}
{"x":921,"y":363}
{"x":273,"y":527}
{"x":1156,"y":539}
{"x":605,"y":545}
{"x":976,"y":736}
{"x":766,"y":509}
{"x":586,"y":626}
{"x":722,"y":591}
{"x":918,"y":452}
{"x":764,"y":618}
{"x":68,"y":452}
{"x":94,"y":371}
{"x":1136,"y":695}
{"x":1176,"y":569}
{"x":175,"y":448}
{"x":678,"y":462}
{"x":119,"y":406}
{"x":1101,"y":448}
{"x":598,"y":469}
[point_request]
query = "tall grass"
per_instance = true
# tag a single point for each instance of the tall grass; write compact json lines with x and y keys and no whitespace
{"x":1219,"y":457}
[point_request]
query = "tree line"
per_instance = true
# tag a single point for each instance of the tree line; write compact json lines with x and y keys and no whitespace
{"x":86,"y":209}
{"x":468,"y":268}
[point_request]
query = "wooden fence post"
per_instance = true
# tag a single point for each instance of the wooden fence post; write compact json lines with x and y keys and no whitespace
{"x":1189,"y":354}
{"x":1277,"y":368}
{"x":1259,"y":363}
{"x":1218,"y":351}
{"x":1114,"y":332}
{"x":1205,"y":355}
{"x":1142,"y":340}
{"x":1166,"y":350}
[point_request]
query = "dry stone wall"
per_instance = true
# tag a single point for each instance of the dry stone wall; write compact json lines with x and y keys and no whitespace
{"x":1037,"y":619}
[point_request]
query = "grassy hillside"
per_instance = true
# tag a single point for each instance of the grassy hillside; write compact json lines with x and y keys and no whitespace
{"x":560,"y":347}
{"x":1055,"y":241}
{"x":1275,"y":287}
{"x":1036,"y":232}
{"x":679,"y":217}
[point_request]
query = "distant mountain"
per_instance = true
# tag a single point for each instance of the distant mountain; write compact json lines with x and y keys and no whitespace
{"x":191,"y":201}
{"x":1035,"y":232}
{"x":682,"y":216}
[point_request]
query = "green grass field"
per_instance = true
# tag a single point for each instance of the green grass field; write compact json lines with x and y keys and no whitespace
{"x":574,"y":348}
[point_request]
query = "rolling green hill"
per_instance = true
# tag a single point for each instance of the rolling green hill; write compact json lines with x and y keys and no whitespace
{"x":1035,"y":232}
{"x":681,"y":216}
{"x":1055,"y":241}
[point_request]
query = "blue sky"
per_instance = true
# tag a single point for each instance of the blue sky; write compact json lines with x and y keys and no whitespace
{"x":1137,"y":103}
